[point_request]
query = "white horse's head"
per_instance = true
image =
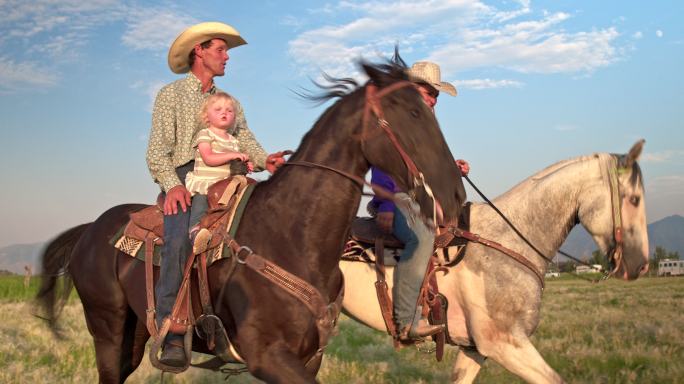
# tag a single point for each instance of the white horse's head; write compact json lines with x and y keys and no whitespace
{"x":613,"y":211}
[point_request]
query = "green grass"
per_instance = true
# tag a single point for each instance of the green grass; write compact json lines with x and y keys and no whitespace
{"x":610,"y":332}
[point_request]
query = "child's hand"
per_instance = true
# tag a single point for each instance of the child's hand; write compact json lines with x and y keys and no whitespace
{"x":250,"y":167}
{"x":242,"y":157}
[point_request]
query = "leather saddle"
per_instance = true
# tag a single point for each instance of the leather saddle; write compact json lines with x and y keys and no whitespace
{"x":222,"y":196}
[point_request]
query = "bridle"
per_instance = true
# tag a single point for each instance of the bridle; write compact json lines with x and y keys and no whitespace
{"x":612,"y":170}
{"x":372,"y":106}
{"x":415,"y":177}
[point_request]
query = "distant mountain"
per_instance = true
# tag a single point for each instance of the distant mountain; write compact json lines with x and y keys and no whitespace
{"x":13,"y":258}
{"x":667,"y":233}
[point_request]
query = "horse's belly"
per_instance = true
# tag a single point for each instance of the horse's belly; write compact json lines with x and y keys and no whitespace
{"x":360,"y":299}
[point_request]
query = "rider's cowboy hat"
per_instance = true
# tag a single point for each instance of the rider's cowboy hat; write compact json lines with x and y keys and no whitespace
{"x":429,"y":73}
{"x":197,"y":34}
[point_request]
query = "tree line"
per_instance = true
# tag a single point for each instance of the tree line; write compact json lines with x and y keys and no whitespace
{"x":597,"y":257}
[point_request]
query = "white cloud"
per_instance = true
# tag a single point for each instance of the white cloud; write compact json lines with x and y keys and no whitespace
{"x":530,"y":47}
{"x":659,"y":33}
{"x":478,"y":84}
{"x":58,"y":30}
{"x":666,"y":185}
{"x":154,"y":29}
{"x":17,"y":75}
{"x":638,"y":35}
{"x":149,"y":88}
{"x":565,"y":127}
{"x":457,"y":34}
{"x":663,"y":156}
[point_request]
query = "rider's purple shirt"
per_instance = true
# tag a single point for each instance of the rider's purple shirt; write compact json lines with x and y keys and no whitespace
{"x":382,"y":179}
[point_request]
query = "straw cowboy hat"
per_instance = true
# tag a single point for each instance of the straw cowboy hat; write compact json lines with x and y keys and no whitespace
{"x":197,"y":34}
{"x":429,"y":73}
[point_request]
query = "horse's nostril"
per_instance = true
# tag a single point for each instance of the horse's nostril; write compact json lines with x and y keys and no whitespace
{"x":643,"y":270}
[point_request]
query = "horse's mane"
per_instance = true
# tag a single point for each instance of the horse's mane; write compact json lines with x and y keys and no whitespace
{"x":635,"y":179}
{"x":380,"y":74}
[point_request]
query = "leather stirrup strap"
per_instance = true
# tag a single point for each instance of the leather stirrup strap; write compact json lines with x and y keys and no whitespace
{"x":205,"y":298}
{"x":149,"y":286}
{"x":381,"y":288}
{"x":182,"y":303}
{"x":434,"y":305}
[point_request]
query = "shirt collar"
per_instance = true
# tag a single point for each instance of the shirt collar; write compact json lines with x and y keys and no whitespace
{"x":197,"y":84}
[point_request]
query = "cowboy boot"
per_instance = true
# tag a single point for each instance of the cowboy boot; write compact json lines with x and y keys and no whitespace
{"x":200,"y":241}
{"x":419,"y":328}
{"x":173,"y":354}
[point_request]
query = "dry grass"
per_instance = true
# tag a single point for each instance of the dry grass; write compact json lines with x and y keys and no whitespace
{"x":612,"y":332}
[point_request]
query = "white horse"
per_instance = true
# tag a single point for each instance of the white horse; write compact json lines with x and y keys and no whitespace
{"x":494,"y":301}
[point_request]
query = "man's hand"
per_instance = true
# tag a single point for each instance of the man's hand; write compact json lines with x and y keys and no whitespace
{"x":276,"y":160}
{"x":463,"y":166}
{"x":176,"y":195}
{"x":385,"y":221}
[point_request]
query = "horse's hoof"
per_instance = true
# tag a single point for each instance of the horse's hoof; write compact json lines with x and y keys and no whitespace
{"x":173,"y":355}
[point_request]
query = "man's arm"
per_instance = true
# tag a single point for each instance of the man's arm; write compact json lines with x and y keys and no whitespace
{"x":247,"y":141}
{"x":162,"y":138}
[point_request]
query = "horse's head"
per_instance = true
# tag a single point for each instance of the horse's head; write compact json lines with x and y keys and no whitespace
{"x":617,"y":220}
{"x":400,"y":135}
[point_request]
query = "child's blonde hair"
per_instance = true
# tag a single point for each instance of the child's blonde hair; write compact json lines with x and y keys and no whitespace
{"x":211,"y":100}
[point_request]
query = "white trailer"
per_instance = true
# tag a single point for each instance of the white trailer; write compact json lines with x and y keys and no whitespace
{"x":668,"y":267}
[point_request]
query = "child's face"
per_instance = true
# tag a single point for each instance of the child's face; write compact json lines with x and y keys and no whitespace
{"x":221,"y":114}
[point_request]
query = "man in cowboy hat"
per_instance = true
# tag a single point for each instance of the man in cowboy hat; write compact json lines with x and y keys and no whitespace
{"x":201,"y":51}
{"x":400,"y":221}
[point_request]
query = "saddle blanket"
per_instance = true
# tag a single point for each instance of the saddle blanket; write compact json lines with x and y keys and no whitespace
{"x":363,"y":252}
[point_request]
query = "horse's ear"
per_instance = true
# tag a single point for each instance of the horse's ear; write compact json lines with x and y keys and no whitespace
{"x":634,"y":153}
{"x":373,"y":73}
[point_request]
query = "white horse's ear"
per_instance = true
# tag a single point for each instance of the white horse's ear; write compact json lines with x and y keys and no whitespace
{"x":634,"y":153}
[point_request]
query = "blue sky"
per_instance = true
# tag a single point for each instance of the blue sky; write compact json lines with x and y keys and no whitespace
{"x":538,"y":81}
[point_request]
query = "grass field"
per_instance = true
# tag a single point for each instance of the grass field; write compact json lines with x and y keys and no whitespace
{"x":611,"y":332}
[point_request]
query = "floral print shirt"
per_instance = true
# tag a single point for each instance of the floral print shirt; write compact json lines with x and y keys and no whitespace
{"x":176,"y":121}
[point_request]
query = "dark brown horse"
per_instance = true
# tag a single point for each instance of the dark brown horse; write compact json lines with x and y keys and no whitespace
{"x":299,"y":219}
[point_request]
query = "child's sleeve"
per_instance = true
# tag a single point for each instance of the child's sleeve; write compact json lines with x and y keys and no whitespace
{"x":202,"y":137}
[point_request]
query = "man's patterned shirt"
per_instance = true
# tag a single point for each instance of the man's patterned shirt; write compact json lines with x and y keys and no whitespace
{"x":175,"y":121}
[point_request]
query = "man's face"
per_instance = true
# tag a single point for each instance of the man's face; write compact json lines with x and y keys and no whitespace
{"x":215,"y":57}
{"x":428,"y":93}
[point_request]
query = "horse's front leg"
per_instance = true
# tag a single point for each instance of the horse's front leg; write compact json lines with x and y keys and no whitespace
{"x":467,"y":366}
{"x":516,"y":353}
{"x":275,"y":363}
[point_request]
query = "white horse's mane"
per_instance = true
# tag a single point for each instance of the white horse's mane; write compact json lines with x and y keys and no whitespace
{"x":547,"y":172}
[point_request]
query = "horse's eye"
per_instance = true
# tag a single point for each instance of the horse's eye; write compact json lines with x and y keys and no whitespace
{"x":415,"y":113}
{"x":634,"y":200}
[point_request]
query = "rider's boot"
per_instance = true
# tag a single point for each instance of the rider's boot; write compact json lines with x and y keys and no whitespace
{"x":173,"y":352}
{"x":200,"y":240}
{"x":419,"y":328}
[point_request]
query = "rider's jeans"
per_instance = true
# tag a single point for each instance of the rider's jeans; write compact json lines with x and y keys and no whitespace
{"x":418,"y":242}
{"x":175,"y":251}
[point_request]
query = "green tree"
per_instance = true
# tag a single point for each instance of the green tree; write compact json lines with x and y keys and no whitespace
{"x":598,"y":258}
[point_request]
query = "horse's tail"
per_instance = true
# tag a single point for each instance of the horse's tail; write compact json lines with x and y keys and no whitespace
{"x":55,"y":260}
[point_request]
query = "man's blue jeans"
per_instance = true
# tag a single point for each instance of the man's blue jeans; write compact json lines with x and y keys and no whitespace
{"x":418,"y":242}
{"x":200,"y":205}
{"x":175,"y":253}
